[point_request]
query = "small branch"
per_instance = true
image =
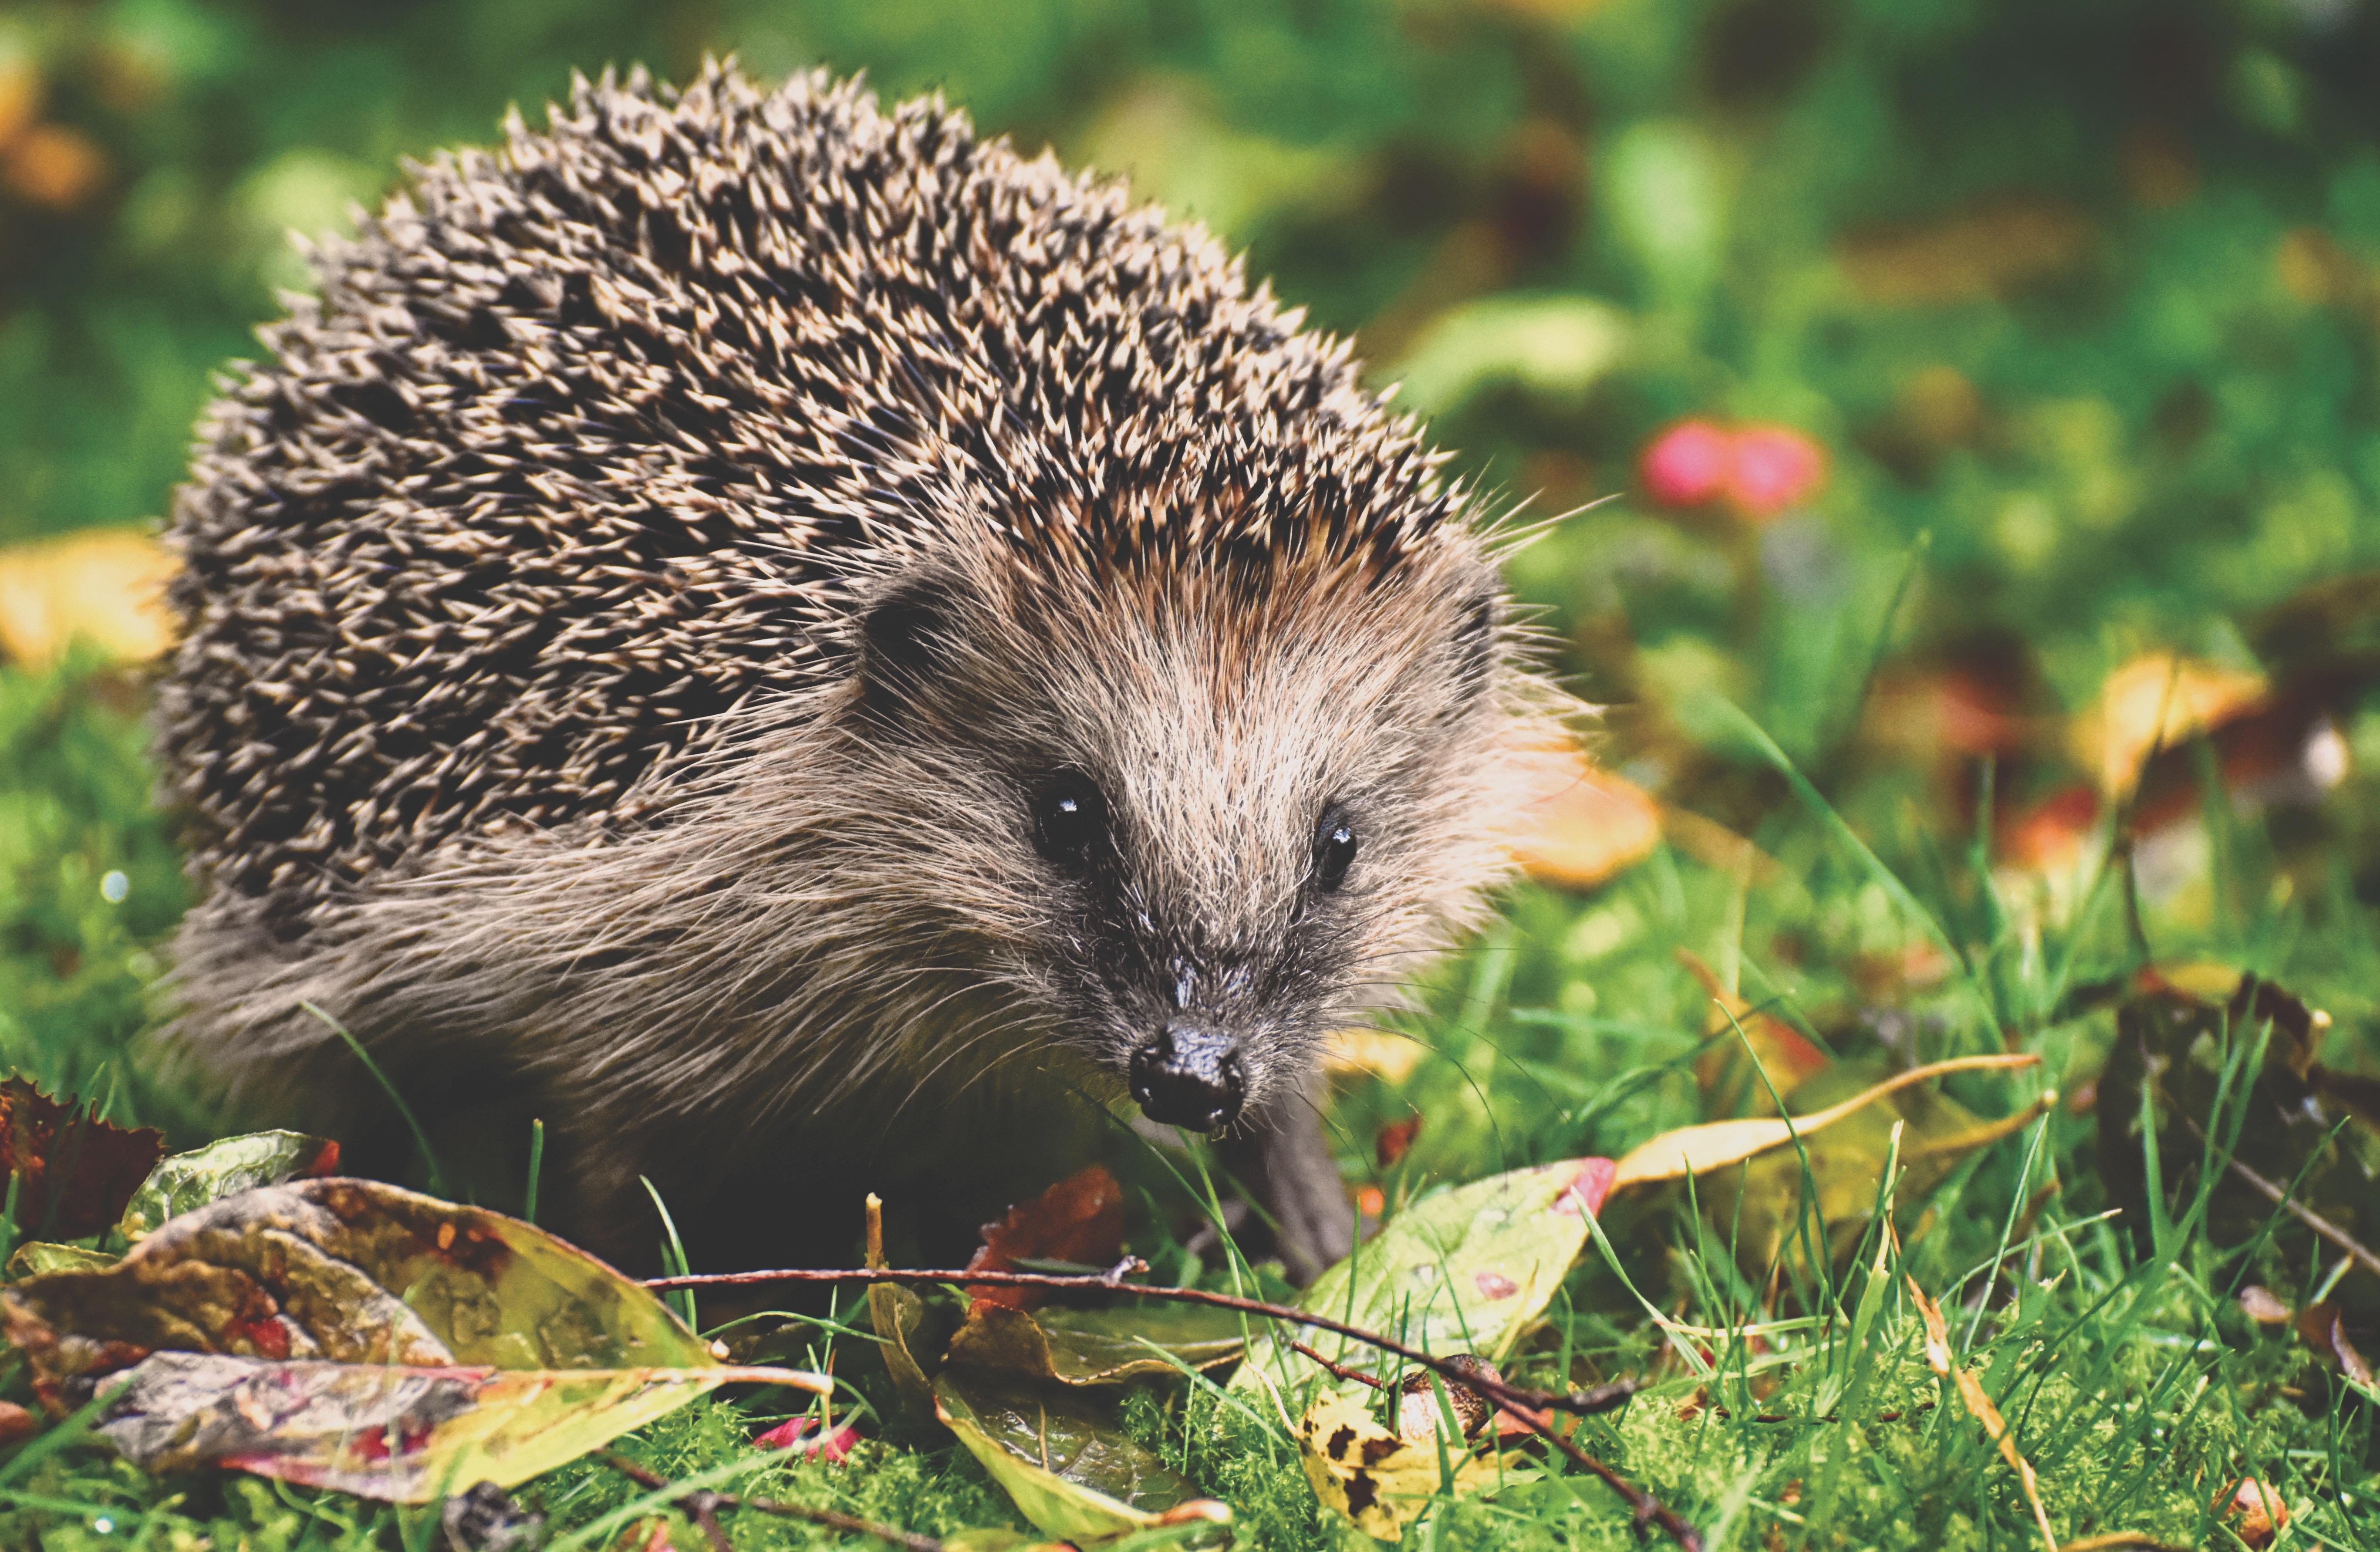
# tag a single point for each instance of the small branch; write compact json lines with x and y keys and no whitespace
{"x":1603,"y":1397}
{"x":702,"y":1507}
{"x":1338,"y":1371}
{"x":2287,"y":1204}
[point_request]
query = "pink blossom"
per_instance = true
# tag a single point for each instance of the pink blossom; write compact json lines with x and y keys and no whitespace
{"x":1775,"y":467}
{"x":1688,"y":464}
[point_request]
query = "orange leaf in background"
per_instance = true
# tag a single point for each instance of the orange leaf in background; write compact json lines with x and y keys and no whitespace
{"x":2047,"y":837}
{"x":1079,"y":1219}
{"x":2151,"y":701}
{"x":1396,"y":1140}
{"x":52,"y":164}
{"x":1576,"y":826}
{"x":76,"y":1171}
{"x":106,"y":585}
{"x":1388,"y":1057}
{"x":1722,"y":1073}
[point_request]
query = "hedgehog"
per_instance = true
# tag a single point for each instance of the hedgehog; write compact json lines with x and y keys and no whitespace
{"x":804,"y":650}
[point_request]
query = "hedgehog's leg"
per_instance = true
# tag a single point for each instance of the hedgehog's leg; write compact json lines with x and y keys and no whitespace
{"x":1284,"y":1160}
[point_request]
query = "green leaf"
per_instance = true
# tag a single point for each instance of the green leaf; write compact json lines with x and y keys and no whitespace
{"x":1465,"y":1270}
{"x":1061,"y":1454}
{"x":187,"y":1181}
{"x":37,"y":1256}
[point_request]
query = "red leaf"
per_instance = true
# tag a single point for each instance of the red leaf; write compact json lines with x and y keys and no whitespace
{"x":76,"y":1171}
{"x":1080,"y":1219}
{"x":1396,"y":1140}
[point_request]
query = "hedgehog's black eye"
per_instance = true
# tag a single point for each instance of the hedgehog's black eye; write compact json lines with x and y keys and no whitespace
{"x":1335,"y":848}
{"x":1070,"y":819}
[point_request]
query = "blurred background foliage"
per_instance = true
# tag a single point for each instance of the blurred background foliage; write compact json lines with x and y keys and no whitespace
{"x":2061,"y":318}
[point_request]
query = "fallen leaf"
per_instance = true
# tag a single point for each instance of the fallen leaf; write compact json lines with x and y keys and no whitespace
{"x":793,"y":1435}
{"x":74,"y":1171}
{"x":484,"y":1347}
{"x":1693,"y":1150}
{"x":1063,"y":1456}
{"x":1574,"y":825}
{"x":36,"y":1256}
{"x":16,"y":1424}
{"x":1729,"y":1076}
{"x":1979,"y":1405}
{"x":2151,"y":701}
{"x":1078,"y":1220}
{"x":1466,"y":1268}
{"x":1378,"y":1480}
{"x":104,"y":586}
{"x":1396,"y":1140}
{"x":187,"y":1181}
{"x":1421,"y":1418}
{"x":2261,"y":1306}
{"x":2253,"y":1510}
{"x":1391,"y":1058}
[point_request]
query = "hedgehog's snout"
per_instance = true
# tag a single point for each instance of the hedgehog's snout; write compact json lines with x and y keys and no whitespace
{"x":1189,"y":1075}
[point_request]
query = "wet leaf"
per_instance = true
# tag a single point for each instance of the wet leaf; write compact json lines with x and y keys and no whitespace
{"x":1061,"y":1454}
{"x":352,"y":1271}
{"x":905,"y":1326}
{"x":1467,"y":1269}
{"x":396,"y":1433}
{"x":1098,"y":1347}
{"x":187,"y":1181}
{"x":1368,"y":1473}
{"x":74,"y":1171}
{"x":1079,"y":1219}
{"x":349,"y":1334}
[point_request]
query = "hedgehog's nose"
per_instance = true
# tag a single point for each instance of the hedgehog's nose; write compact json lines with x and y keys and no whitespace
{"x":1189,"y":1076}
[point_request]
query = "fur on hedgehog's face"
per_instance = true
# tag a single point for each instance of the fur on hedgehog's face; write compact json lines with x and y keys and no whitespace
{"x":1221,"y":826}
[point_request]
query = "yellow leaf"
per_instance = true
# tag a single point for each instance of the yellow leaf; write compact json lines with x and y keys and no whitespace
{"x":106,"y":586}
{"x":1576,"y":826}
{"x":1369,"y":1475}
{"x":2152,"y":702}
{"x":1693,"y":1150}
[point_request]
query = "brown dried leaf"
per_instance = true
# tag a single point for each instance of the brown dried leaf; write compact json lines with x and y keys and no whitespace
{"x":76,"y":1171}
{"x":1078,"y":1220}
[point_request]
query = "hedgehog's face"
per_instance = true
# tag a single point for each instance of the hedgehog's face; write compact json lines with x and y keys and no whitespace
{"x":1215,"y":831}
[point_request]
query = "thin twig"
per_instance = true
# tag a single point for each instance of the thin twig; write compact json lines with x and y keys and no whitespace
{"x":2289,"y":1204}
{"x":1603,"y":1397}
{"x":702,"y":1507}
{"x":1338,"y":1371}
{"x":1516,"y":1399}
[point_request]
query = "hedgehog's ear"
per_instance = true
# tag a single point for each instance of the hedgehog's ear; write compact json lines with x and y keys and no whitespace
{"x":907,"y":634}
